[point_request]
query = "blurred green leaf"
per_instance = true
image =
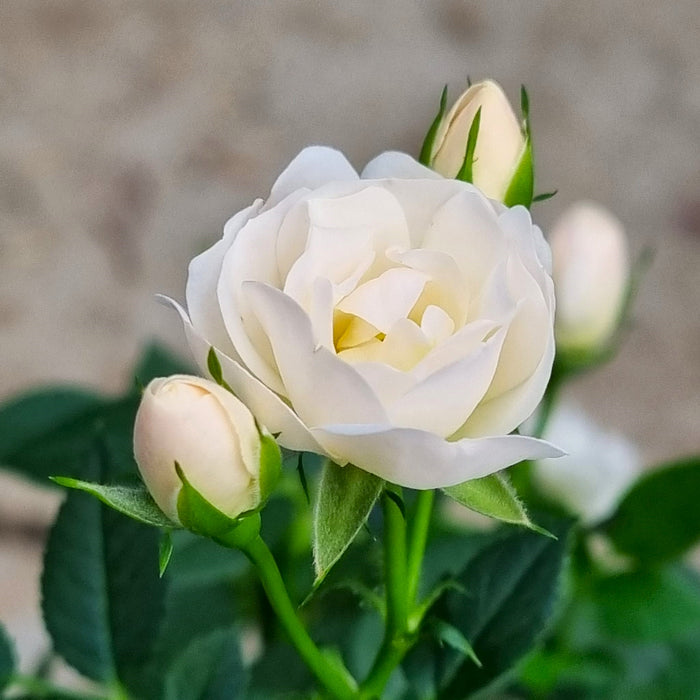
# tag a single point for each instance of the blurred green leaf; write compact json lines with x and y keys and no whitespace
{"x":659,"y":519}
{"x":157,"y":361}
{"x":210,"y":668}
{"x":102,"y":597}
{"x":7,"y":658}
{"x":495,"y":497}
{"x":648,"y":606}
{"x":511,"y":587}
{"x":345,"y":498}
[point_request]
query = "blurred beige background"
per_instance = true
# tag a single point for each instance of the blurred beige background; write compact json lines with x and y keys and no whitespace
{"x":130,"y":131}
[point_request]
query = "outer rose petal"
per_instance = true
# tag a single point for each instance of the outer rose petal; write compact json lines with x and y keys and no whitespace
{"x":203,"y":277}
{"x":422,"y":460}
{"x":395,"y":164}
{"x":265,"y":405}
{"x":313,"y":167}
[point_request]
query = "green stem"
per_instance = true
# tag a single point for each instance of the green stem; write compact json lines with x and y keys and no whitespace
{"x":396,"y":640}
{"x":418,"y":541}
{"x":330,"y":673}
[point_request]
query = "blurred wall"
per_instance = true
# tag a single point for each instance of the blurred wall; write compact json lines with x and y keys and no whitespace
{"x":130,"y":131}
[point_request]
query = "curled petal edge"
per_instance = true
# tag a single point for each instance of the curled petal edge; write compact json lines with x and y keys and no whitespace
{"x":421,"y":460}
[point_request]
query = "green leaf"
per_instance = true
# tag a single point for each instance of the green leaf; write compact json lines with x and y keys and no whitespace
{"x":495,"y":497}
{"x":512,"y":585}
{"x":210,"y":668}
{"x":466,"y":173}
{"x":214,"y":367}
{"x":133,"y":501}
{"x":158,"y":361}
{"x":7,"y":658}
{"x":659,"y":519}
{"x":102,"y":597}
{"x":345,"y":498}
{"x":426,"y":151}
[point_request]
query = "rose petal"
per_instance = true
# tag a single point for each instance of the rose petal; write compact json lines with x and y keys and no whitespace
{"x":265,"y":405}
{"x":312,"y":167}
{"x":421,"y":460}
{"x":203,"y":277}
{"x":393,"y":164}
{"x":320,"y":386}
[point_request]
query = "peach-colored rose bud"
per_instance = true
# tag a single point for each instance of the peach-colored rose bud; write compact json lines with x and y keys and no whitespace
{"x":212,"y":436}
{"x":499,"y":145}
{"x":591,"y":276}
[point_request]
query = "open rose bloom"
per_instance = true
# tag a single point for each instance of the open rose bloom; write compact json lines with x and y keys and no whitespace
{"x":395,"y":320}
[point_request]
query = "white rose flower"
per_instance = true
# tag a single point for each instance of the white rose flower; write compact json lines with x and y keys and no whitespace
{"x":214,"y":439}
{"x":396,"y":320}
{"x":595,"y":474}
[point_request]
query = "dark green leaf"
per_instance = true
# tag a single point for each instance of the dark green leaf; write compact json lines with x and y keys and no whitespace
{"x":214,"y":367}
{"x":659,"y":519}
{"x":511,"y":588}
{"x":495,"y":497}
{"x":466,"y":173}
{"x":102,"y":596}
{"x":44,"y":432}
{"x":133,"y":501}
{"x":426,"y":152}
{"x":158,"y":361}
{"x":345,"y":498}
{"x":210,"y":668}
{"x":7,"y":658}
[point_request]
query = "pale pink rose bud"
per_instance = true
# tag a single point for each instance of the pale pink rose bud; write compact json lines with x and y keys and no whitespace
{"x":499,"y":145}
{"x":591,"y":276}
{"x":212,"y":436}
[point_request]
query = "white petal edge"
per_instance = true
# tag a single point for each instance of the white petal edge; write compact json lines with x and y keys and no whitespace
{"x":265,"y":405}
{"x":421,"y":460}
{"x":311,"y":168}
{"x":392,"y":164}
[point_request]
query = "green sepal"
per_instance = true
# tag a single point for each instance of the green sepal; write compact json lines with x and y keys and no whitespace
{"x":270,"y":465}
{"x":521,"y":188}
{"x":495,"y":497}
{"x":197,"y":514}
{"x":466,"y":172}
{"x":165,"y":551}
{"x":133,"y":501}
{"x":214,"y":367}
{"x":544,"y":196}
{"x":426,"y":152}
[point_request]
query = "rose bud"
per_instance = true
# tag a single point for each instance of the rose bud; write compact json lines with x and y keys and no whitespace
{"x":596,"y":473}
{"x":214,"y":439}
{"x":591,"y":277}
{"x":500,"y":142}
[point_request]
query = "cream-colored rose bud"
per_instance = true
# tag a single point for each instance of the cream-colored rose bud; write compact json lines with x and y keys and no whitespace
{"x":499,"y":146}
{"x":214,"y":439}
{"x":591,"y":276}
